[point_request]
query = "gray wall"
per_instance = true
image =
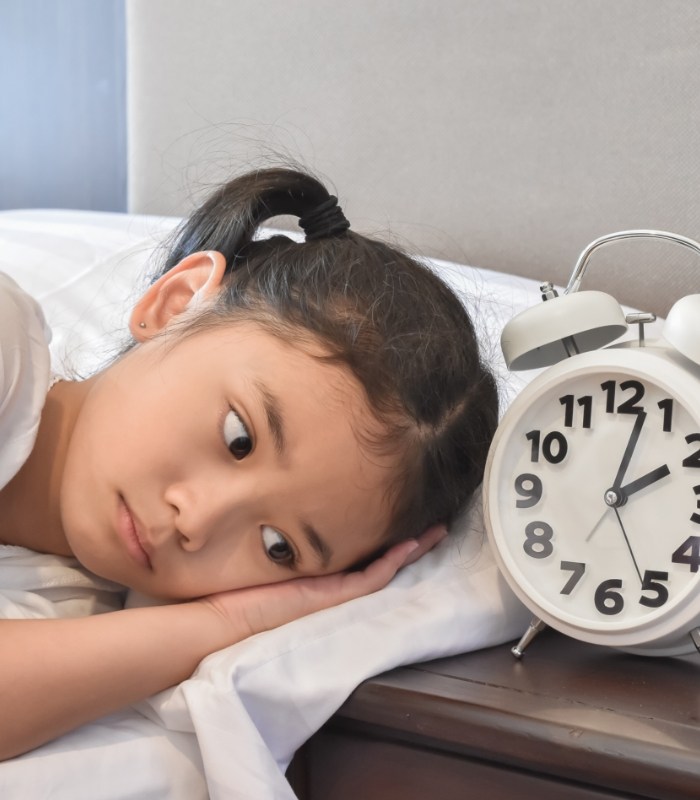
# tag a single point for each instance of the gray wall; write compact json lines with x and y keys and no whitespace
{"x":502,"y":133}
{"x":63,"y":114}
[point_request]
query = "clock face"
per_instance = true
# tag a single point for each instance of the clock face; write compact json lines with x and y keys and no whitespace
{"x":593,"y":492}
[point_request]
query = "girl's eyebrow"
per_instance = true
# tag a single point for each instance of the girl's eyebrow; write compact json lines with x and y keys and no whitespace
{"x":275,"y":425}
{"x":318,"y":544}
{"x":273,"y":417}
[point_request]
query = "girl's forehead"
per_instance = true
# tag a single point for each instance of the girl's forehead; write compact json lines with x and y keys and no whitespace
{"x":251,"y":329}
{"x":284,"y":356}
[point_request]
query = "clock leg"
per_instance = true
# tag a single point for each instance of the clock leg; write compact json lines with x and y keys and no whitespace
{"x":536,"y":625}
{"x":695,"y":636}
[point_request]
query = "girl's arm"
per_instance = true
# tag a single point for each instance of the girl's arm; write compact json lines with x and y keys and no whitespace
{"x":58,"y":674}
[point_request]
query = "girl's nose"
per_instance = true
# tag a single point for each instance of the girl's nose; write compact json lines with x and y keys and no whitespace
{"x":203,"y":511}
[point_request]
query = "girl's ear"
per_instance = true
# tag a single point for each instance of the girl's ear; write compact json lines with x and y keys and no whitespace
{"x":194,"y":280}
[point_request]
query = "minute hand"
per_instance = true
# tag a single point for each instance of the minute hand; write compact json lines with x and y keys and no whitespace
{"x":646,"y":480}
{"x":631,"y":444}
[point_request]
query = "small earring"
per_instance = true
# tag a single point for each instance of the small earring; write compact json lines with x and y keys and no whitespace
{"x":142,"y":324}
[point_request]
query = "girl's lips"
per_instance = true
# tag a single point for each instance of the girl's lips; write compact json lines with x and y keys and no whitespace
{"x":128,"y":533}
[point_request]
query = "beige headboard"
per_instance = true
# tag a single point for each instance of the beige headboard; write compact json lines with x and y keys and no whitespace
{"x":503,"y":133}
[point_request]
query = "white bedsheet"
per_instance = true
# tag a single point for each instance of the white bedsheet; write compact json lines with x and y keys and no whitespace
{"x":231,"y":729}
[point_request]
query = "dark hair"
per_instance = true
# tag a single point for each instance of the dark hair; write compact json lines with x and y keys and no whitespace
{"x":400,"y":330}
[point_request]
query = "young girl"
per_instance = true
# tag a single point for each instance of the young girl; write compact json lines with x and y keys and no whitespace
{"x":293,"y":423}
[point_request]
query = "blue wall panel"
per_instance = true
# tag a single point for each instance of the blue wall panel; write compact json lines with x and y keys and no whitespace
{"x":63,"y":105}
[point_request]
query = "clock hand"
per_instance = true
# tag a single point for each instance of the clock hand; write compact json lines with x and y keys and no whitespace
{"x":597,"y":525}
{"x":631,"y":444}
{"x":627,"y":542}
{"x":625,"y":491}
{"x":646,"y":480}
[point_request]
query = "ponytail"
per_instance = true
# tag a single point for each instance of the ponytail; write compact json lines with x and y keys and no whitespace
{"x":229,"y":219}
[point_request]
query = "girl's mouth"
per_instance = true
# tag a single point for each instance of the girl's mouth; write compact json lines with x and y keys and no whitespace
{"x":128,"y":532}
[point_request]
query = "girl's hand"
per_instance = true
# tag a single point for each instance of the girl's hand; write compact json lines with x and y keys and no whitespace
{"x":101,"y":663}
{"x":261,"y":608}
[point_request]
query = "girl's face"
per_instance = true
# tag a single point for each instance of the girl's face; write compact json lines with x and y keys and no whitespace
{"x":224,"y":459}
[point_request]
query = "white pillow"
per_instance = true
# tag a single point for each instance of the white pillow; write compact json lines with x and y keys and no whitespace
{"x":231,"y":729}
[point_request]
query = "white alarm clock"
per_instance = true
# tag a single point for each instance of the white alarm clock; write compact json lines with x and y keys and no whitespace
{"x":592,"y":484}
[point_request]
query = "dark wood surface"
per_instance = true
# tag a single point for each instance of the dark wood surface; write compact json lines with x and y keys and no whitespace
{"x":569,"y":720}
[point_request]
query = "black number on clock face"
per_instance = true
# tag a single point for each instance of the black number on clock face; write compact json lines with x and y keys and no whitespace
{"x":577,"y":569}
{"x":666,"y":405}
{"x":695,"y":517}
{"x":652,"y":583}
{"x":585,"y":402}
{"x":529,"y":487}
{"x":693,"y":460}
{"x":554,"y":446}
{"x":606,"y":599}
{"x":688,"y":553}
{"x":628,"y":406}
{"x":538,"y":539}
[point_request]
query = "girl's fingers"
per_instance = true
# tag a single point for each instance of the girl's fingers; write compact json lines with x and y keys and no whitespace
{"x":381,"y":571}
{"x":431,"y":537}
{"x":377,"y":574}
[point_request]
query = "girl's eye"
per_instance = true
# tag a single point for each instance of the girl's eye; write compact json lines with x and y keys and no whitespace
{"x":276,"y":546}
{"x":236,"y":436}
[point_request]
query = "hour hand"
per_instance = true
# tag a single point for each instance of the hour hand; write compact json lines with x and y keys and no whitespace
{"x":646,"y":480}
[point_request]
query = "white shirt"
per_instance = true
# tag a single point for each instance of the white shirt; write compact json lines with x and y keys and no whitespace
{"x":25,"y":372}
{"x":34,"y":584}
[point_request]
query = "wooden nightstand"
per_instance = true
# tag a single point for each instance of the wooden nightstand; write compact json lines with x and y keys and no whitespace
{"x":568,"y":721}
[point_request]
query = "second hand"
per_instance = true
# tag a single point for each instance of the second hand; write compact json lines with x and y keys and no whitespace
{"x":597,"y":525}
{"x":629,"y":546}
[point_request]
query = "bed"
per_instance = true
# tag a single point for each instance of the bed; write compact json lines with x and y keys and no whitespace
{"x":500,"y":135}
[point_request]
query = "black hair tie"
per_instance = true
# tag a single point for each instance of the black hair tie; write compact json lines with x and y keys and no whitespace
{"x":327,"y":219}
